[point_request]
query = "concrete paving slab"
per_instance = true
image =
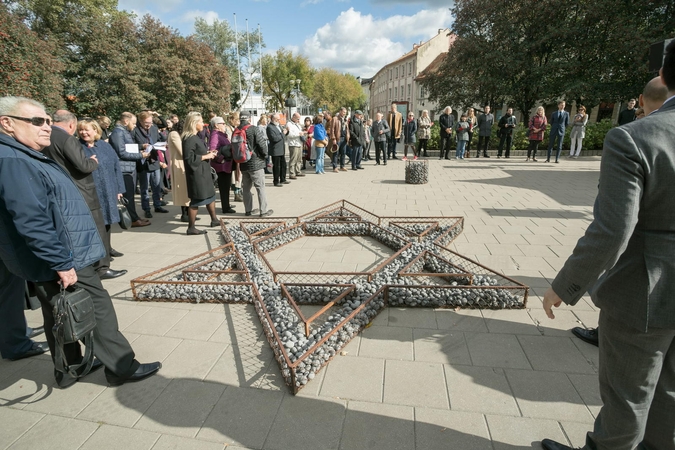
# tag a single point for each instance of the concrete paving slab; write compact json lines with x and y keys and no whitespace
{"x":412,"y":318}
{"x":109,"y":437}
{"x":444,"y":347}
{"x":415,"y":384}
{"x":357,"y":378}
{"x":192,"y":359}
{"x":461,"y":320}
{"x":555,"y":354}
{"x":480,"y":389}
{"x":15,"y":423}
{"x":197,"y":325}
{"x":55,"y":433}
{"x":387,"y":342}
{"x":496,"y":350}
{"x":168,"y":442}
{"x":182,"y":408}
{"x":510,"y":433}
{"x":437,"y":429}
{"x":378,"y":426}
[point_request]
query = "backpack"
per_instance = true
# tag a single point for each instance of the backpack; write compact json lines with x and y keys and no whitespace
{"x":241,"y":153}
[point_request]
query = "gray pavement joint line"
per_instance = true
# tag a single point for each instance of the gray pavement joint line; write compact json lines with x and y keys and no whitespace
{"x":137,"y":318}
{"x":206,"y":417}
{"x":185,"y":313}
{"x":159,"y":436}
{"x":523,"y":350}
{"x":579,"y":394}
{"x":344,"y":420}
{"x":536,"y":323}
{"x":27,"y":430}
{"x":513,"y":395}
{"x":89,"y":437}
{"x":564,"y":433}
{"x":489,"y":432}
{"x":276,"y":415}
{"x":467,"y":345}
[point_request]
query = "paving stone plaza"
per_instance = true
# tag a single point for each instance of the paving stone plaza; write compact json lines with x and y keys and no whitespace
{"x":414,"y":379}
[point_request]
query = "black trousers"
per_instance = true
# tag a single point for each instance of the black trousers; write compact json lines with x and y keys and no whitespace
{"x":483,"y":142}
{"x":110,"y":346}
{"x":130,"y":186}
{"x":445,"y":147}
{"x":423,"y":147}
{"x":224,"y":183}
{"x":505,"y":139}
{"x":104,"y":263}
{"x":380,"y":147}
{"x":468,"y":144}
{"x":13,"y":339}
{"x":532,"y":148}
{"x":279,"y":169}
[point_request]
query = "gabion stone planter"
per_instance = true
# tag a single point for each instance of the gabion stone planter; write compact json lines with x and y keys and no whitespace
{"x":417,"y":171}
{"x":308,"y":317}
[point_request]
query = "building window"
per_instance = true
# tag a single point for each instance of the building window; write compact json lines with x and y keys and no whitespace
{"x":409,"y":90}
{"x":390,"y":93}
{"x":409,"y":68}
{"x":422,"y":93}
{"x":390,"y":74}
{"x":395,"y":93}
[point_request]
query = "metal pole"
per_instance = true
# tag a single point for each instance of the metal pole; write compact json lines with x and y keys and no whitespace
{"x":260,"y":56}
{"x":248,"y":64}
{"x":236,"y":46}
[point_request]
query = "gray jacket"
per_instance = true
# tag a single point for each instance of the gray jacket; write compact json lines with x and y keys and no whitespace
{"x":375,"y":130}
{"x":632,"y":236}
{"x":485,"y":122}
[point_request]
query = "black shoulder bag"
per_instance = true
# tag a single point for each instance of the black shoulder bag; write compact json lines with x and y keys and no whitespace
{"x":74,"y":320}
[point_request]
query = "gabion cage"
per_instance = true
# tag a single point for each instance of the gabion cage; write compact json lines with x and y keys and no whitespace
{"x":307,"y":317}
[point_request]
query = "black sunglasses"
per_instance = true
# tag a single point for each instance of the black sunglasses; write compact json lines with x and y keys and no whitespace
{"x":37,"y":121}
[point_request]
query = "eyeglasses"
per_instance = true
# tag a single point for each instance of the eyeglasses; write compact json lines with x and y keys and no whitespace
{"x":37,"y":121}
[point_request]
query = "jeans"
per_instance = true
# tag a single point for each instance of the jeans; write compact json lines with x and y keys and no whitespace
{"x":254,"y":179}
{"x":339,"y":156}
{"x":320,"y":156}
{"x":153,"y":179}
{"x":461,"y":146}
{"x":356,"y":156}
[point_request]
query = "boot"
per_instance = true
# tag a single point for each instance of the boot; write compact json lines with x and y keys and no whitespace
{"x":183,"y":214}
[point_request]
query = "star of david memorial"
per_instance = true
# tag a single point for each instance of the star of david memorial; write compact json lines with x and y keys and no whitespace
{"x":309,"y":316}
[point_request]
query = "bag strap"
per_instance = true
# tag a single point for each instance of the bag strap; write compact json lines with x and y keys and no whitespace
{"x":60,"y":341}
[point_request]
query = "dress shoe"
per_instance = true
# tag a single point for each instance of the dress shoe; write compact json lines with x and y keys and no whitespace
{"x":547,"y":160}
{"x":292,"y":178}
{"x":161,"y":210}
{"x":485,"y":155}
{"x":285,"y":182}
{"x":34,"y":350}
{"x":267,"y":213}
{"x":140,"y":223}
{"x":109,"y":274}
{"x":228,"y":211}
{"x":335,"y":170}
{"x":114,"y":253}
{"x":278,"y":185}
{"x":360,"y":168}
{"x":65,"y":380}
{"x":587,"y":335}
{"x":184,"y":218}
{"x":148,"y":215}
{"x":557,"y":162}
{"x":248,"y":213}
{"x":143,"y":372}
{"x":37,"y":331}
{"x":195,"y":232}
{"x":548,"y":444}
{"x":342,"y":169}
{"x":394,"y":157}
{"x":301,"y":174}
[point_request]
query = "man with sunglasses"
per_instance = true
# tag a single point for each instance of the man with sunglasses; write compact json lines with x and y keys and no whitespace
{"x":47,"y":236}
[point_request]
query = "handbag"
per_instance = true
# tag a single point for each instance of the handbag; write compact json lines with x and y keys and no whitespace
{"x":214,"y":176}
{"x":74,"y":320}
{"x":125,"y":217}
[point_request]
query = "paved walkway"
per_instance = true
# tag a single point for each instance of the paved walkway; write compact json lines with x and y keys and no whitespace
{"x":424,"y":379}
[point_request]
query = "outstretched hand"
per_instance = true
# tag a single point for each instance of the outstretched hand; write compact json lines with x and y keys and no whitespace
{"x":551,"y":299}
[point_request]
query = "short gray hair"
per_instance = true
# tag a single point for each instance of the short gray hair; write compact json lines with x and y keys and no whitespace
{"x":62,"y":116}
{"x":10,"y":105}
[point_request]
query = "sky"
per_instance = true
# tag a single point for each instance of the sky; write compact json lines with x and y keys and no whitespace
{"x":358,"y":37}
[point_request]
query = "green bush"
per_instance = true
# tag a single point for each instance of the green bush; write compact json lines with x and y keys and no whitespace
{"x":595,"y":136}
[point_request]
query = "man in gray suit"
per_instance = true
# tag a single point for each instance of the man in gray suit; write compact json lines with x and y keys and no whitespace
{"x":559,"y":121}
{"x":631,"y":240}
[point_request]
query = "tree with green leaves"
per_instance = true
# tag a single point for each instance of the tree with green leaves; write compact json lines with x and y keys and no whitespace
{"x":335,"y":90}
{"x":278,"y":72}
{"x":29,"y":66}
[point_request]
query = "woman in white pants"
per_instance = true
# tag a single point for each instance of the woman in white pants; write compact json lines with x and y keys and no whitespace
{"x":578,"y":131}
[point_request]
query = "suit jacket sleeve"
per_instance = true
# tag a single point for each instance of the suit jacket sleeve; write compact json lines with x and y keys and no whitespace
{"x":615,"y":216}
{"x":72,"y":151}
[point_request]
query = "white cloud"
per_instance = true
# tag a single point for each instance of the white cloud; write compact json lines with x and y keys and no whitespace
{"x":208,"y":16}
{"x":361,"y":44}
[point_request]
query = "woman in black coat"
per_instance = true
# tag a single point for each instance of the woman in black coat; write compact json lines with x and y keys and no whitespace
{"x":198,"y":172}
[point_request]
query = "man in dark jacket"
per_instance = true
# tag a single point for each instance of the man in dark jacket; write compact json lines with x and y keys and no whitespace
{"x":47,"y":236}
{"x":357,"y":138}
{"x":253,"y":170}
{"x":447,"y":124}
{"x":119,"y":139}
{"x":506,"y":126}
{"x":146,"y":134}
{"x":485,"y":122}
{"x":628,"y":114}
{"x":277,"y":149}
{"x":67,"y":151}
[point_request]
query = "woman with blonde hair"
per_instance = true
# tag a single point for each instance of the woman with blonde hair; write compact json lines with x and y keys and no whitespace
{"x":578,"y":132}
{"x":535,"y":134}
{"x":196,"y":158}
{"x":424,"y":125}
{"x":232,"y":123}
{"x":473,"y":121}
